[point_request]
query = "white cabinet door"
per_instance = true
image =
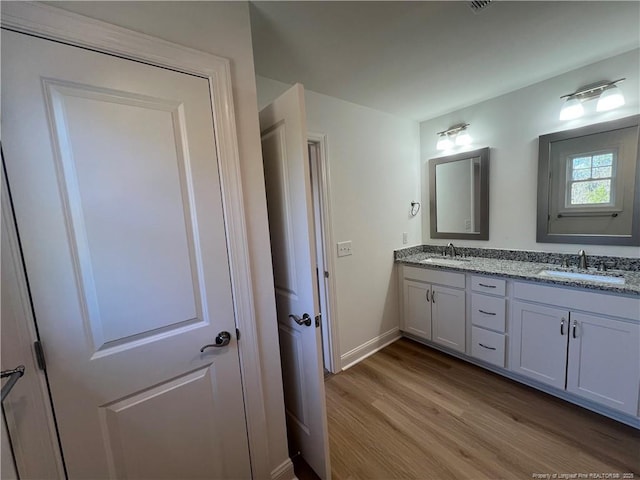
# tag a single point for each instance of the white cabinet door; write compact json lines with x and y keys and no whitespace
{"x":539,"y":343}
{"x":448,"y":317}
{"x":417,"y":309}
{"x":604,"y":361}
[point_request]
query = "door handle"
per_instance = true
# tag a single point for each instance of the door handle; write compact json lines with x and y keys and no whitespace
{"x":222,"y":340}
{"x":305,"y":320}
{"x":13,"y":375}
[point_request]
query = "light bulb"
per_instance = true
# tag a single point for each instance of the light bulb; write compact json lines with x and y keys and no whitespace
{"x":444,"y":142}
{"x":571,"y":109}
{"x":609,"y":99}
{"x":463,"y":138}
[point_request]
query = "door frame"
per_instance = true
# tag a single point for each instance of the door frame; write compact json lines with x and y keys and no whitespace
{"x":58,"y":25}
{"x":36,"y":431}
{"x":328,"y":300}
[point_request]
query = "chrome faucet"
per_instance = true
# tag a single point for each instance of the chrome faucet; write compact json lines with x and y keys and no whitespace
{"x":451,"y":250}
{"x":582,"y":260}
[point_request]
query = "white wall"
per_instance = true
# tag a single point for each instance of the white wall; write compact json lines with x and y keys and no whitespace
{"x":223,"y":28}
{"x":374,"y":176}
{"x":510,"y":125}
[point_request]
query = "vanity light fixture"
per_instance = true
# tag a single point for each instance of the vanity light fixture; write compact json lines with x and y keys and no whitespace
{"x":607,"y":92}
{"x":457,"y":133}
{"x":609,"y":99}
{"x":444,"y":142}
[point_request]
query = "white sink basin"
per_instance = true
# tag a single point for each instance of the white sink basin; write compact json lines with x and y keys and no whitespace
{"x":582,"y":276}
{"x":446,"y":261}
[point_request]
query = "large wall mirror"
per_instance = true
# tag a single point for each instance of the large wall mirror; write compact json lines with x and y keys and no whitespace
{"x":459,"y":195}
{"x":589,"y":185}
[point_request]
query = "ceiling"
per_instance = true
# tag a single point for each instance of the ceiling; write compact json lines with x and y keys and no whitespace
{"x":422,"y":59}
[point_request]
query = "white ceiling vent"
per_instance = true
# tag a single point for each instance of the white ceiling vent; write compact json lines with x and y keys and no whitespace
{"x":478,"y":6}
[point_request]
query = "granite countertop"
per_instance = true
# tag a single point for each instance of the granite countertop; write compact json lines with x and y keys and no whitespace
{"x":525,"y":270}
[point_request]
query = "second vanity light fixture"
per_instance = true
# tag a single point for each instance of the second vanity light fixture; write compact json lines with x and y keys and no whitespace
{"x":456,"y":135}
{"x":607,"y":92}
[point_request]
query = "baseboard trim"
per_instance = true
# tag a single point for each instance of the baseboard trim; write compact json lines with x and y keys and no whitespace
{"x":284,"y":471}
{"x":367,"y":349}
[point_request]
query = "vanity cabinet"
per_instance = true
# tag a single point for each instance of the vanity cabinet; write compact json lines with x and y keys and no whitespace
{"x":596,"y":357}
{"x":581,"y":345}
{"x":433,"y":306}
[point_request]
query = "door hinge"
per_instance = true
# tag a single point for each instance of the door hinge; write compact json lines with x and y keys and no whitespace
{"x":42,"y":364}
{"x":237,"y":334}
{"x":326,"y":274}
{"x":318,"y":320}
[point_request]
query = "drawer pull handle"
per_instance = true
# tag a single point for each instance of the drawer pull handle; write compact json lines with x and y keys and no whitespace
{"x":486,"y":313}
{"x":574,"y":327}
{"x":484,"y":346}
{"x":428,"y":301}
{"x":562,"y":326}
{"x":486,"y":286}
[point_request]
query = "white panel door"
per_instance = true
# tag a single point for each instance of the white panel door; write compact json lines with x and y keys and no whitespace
{"x":538,"y":340}
{"x":114,"y":176}
{"x":288,"y":186}
{"x":448,"y":317}
{"x":604,"y":361}
{"x":417,"y":308}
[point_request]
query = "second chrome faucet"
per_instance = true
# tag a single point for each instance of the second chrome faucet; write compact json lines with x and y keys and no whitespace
{"x":582,"y":260}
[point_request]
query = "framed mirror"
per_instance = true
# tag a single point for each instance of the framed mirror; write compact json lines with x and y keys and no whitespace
{"x":589,"y":185}
{"x":459,"y":195}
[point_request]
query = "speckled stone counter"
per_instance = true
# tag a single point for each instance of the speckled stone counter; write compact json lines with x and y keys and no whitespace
{"x":522,"y":265}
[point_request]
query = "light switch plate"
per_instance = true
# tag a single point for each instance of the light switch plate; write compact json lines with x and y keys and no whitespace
{"x":344,"y":248}
{"x":405,"y":238}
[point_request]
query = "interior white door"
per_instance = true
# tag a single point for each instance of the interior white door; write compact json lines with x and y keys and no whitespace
{"x":114,"y":177}
{"x":288,"y":186}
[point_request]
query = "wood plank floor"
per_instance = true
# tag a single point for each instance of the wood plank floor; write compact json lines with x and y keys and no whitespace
{"x":411,"y":412}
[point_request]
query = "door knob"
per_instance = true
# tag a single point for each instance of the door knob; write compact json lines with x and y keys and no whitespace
{"x":305,"y":320}
{"x":222,"y":340}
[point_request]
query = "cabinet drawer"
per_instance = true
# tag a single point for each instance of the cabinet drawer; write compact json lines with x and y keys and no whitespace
{"x":495,"y":286}
{"x":487,"y":346}
{"x":488,"y":312}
